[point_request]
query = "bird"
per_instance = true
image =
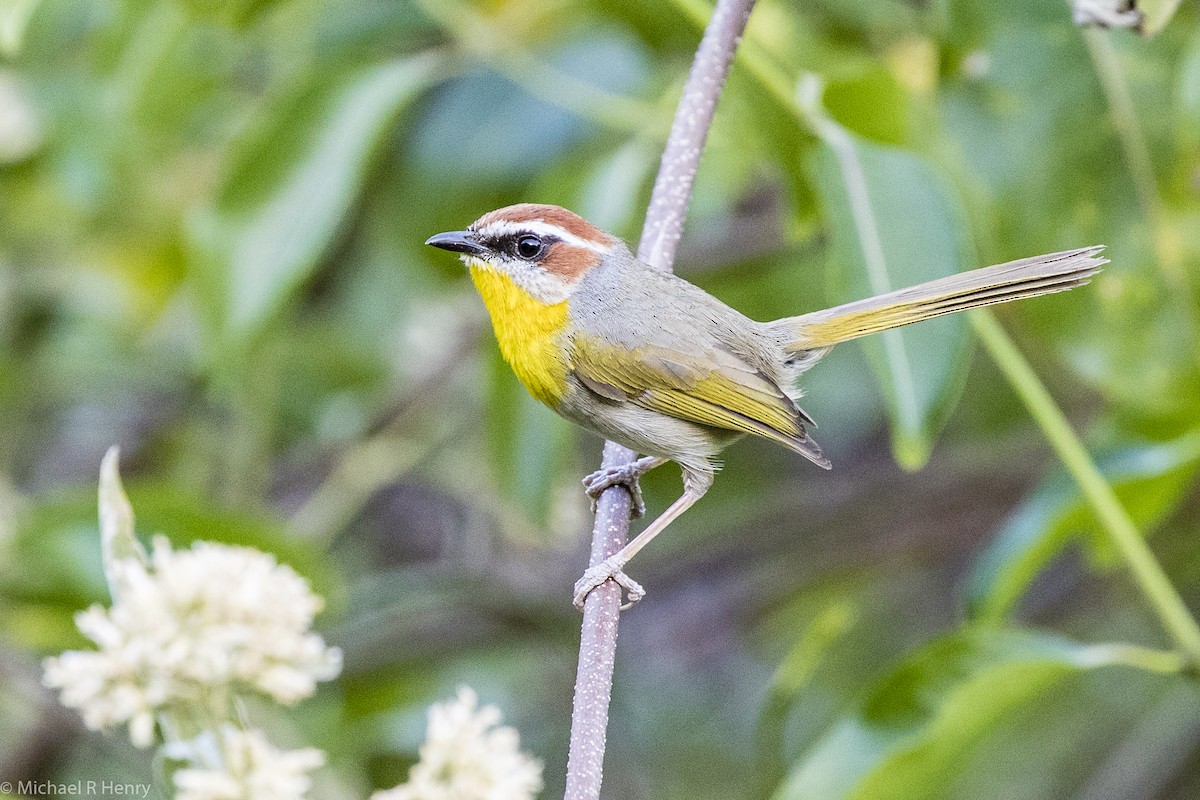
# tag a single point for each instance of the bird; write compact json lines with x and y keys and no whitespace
{"x":651,"y":361}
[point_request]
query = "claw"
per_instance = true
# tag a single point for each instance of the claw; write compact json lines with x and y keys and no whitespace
{"x":606,"y":570}
{"x":625,"y":475}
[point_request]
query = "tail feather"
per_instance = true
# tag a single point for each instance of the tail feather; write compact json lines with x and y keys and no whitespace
{"x":806,"y":446}
{"x":1028,"y":277}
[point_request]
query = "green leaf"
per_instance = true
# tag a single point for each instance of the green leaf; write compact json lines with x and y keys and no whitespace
{"x":238,"y":13}
{"x":1150,"y":481}
{"x":518,"y":123}
{"x":912,"y":732}
{"x":893,"y":223}
{"x":871,"y":103}
{"x":1157,"y":14}
{"x":289,"y":191}
{"x":792,"y":675}
{"x":1187,"y":94}
{"x":611,"y":193}
{"x":14,"y":19}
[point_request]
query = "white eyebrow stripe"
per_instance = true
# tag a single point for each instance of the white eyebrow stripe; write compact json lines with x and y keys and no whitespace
{"x":502,"y":227}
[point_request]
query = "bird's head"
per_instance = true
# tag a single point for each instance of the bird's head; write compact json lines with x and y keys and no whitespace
{"x":545,"y":250}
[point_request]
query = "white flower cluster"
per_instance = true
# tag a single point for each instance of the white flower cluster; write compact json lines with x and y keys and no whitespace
{"x":188,"y":631}
{"x":1107,"y":13}
{"x":251,"y":769}
{"x":468,"y":755}
{"x":189,"y":626}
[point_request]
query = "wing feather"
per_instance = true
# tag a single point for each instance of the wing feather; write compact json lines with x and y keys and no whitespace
{"x":715,"y":388}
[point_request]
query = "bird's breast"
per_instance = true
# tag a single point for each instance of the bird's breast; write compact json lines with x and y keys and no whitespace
{"x":529,"y":333}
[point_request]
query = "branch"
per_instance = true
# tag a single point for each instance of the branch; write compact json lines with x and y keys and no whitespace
{"x":660,"y":237}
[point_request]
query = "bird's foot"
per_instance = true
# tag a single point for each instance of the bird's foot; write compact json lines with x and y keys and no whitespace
{"x":607,"y":569}
{"x":625,"y":475}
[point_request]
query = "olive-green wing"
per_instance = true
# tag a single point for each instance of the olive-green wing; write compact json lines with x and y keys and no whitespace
{"x":716,"y":388}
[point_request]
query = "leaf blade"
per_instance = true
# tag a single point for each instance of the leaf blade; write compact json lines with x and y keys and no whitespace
{"x":919,"y":721}
{"x":1150,"y":480}
{"x":894,"y":217}
{"x":271,"y":224}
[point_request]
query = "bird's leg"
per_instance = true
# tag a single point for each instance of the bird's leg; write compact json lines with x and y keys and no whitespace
{"x":626,"y":475}
{"x":612,"y":567}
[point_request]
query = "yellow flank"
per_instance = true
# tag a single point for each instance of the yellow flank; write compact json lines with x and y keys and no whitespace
{"x":528,"y":332}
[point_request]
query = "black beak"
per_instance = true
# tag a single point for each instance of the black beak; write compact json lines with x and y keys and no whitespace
{"x":457,"y":242}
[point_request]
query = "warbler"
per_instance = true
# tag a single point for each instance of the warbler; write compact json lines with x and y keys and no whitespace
{"x":646,"y":359}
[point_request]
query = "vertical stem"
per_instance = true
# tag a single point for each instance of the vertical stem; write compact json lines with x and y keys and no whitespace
{"x":660,"y":237}
{"x":1146,"y":571}
{"x":854,"y":181}
{"x":598,"y":642}
{"x":1107,"y":64}
{"x":1124,"y":119}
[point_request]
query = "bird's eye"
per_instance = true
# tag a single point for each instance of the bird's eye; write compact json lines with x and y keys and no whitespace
{"x":529,"y":247}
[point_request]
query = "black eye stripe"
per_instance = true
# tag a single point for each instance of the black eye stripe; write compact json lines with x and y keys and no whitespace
{"x":510,"y":244}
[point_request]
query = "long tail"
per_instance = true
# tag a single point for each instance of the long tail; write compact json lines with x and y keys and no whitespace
{"x":817,"y":332}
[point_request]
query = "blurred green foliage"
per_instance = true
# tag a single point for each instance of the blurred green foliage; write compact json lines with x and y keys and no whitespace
{"x":211,"y":225}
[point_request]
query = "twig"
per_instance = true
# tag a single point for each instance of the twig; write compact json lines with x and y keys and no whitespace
{"x":660,"y":237}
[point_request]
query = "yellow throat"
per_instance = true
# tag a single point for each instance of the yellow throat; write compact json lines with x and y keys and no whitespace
{"x":528,"y":332}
